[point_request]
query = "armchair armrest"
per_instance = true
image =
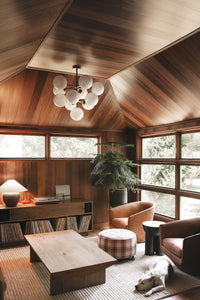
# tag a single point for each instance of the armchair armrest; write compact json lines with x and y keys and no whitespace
{"x":180,"y":228}
{"x":191,"y":245}
{"x":140,"y":217}
{"x":191,"y":257}
{"x":135,"y":223}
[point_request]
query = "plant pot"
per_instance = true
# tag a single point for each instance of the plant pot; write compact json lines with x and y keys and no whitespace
{"x":118,"y":197}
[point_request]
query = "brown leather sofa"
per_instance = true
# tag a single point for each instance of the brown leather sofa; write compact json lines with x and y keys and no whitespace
{"x":180,"y":241}
{"x":2,"y":285}
{"x":131,"y":216}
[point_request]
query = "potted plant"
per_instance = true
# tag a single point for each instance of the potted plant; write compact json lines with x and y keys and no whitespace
{"x":113,"y":171}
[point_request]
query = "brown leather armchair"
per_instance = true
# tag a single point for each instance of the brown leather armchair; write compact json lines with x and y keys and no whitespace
{"x":180,"y":241}
{"x":131,"y":216}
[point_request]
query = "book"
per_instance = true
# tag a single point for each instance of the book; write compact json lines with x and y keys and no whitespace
{"x":72,"y":223}
{"x":38,"y":226}
{"x":11,"y":232}
{"x":60,"y":224}
{"x":84,"y":223}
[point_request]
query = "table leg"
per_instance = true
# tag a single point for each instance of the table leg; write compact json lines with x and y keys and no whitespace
{"x":149,"y":244}
{"x":62,"y":282}
{"x":157,"y":245}
{"x":33,"y":256}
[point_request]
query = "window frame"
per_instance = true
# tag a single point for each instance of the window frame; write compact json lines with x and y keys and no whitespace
{"x":47,"y":134}
{"x":71,"y":136}
{"x":178,"y":161}
{"x":28,"y":133}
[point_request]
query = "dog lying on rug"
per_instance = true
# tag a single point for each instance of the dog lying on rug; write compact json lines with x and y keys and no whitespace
{"x":155,"y":277}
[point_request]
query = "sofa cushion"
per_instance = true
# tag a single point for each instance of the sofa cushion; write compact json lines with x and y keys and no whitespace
{"x":120,"y":222}
{"x":174,"y":245}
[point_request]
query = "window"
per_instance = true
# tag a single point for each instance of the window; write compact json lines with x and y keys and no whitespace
{"x":73,"y":147}
{"x":160,"y":175}
{"x":170,"y":173}
{"x":156,"y":147}
{"x":22,"y":146}
{"x":190,"y":208}
{"x":190,"y":145}
{"x":190,"y":178}
{"x":164,"y":203}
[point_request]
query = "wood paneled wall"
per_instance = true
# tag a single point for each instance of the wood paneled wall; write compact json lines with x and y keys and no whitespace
{"x":41,"y":176}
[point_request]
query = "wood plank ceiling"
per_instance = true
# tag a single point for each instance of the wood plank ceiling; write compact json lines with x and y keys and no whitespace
{"x":146,"y":52}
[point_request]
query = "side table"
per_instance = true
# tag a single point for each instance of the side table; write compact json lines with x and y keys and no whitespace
{"x":152,"y":238}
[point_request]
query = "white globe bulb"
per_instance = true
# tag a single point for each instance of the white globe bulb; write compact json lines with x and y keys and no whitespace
{"x":87,"y":107}
{"x":69,"y":106}
{"x":98,"y":88}
{"x":91,"y":99}
{"x":60,"y":82}
{"x":72,"y":96}
{"x":59,"y":100}
{"x":85,"y":81}
{"x":83,"y":93}
{"x":58,"y":91}
{"x":76,"y":114}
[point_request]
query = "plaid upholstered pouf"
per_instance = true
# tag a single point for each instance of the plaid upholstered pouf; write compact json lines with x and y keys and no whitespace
{"x":120,"y":243}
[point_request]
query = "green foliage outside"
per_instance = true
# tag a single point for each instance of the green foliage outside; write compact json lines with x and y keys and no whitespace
{"x":30,"y":146}
{"x":159,"y":147}
{"x":22,"y":146}
{"x":164,"y":174}
{"x":73,"y":147}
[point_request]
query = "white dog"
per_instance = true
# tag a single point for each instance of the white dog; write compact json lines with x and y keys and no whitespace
{"x":155,"y":277}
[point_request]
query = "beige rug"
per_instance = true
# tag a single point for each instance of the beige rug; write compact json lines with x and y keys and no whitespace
{"x":26,"y":281}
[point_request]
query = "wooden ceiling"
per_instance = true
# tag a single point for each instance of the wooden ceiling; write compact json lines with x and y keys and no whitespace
{"x":163,"y":89}
{"x":146,"y":52}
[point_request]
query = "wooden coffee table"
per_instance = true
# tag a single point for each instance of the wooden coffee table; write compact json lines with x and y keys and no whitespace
{"x":72,"y":261}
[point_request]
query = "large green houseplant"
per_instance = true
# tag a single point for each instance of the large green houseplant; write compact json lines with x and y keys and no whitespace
{"x":114,"y":172}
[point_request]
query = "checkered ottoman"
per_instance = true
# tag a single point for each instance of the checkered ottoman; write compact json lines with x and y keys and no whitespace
{"x":120,"y":243}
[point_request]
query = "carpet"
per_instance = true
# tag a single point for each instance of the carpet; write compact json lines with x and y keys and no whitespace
{"x":26,"y":281}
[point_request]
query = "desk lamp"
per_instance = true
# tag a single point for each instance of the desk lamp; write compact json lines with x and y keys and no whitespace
{"x":10,"y":190}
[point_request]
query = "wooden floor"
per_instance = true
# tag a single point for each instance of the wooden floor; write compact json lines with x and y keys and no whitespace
{"x":193,"y":294}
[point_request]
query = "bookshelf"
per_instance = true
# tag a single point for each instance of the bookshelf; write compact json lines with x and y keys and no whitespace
{"x":15,"y":222}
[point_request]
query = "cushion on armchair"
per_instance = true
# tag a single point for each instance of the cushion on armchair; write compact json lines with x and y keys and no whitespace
{"x":174,"y":245}
{"x":120,"y":222}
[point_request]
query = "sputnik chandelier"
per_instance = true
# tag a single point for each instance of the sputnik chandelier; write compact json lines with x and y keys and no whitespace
{"x":76,"y":94}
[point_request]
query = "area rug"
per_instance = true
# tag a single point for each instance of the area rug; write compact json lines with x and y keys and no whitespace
{"x":26,"y":281}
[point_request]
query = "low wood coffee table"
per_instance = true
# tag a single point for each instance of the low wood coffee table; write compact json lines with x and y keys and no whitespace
{"x":72,"y":261}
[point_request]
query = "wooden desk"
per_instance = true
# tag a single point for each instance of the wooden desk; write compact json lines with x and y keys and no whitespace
{"x":73,"y":261}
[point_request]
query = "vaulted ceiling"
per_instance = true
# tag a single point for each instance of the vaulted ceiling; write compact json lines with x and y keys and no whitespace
{"x":145,"y":52}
